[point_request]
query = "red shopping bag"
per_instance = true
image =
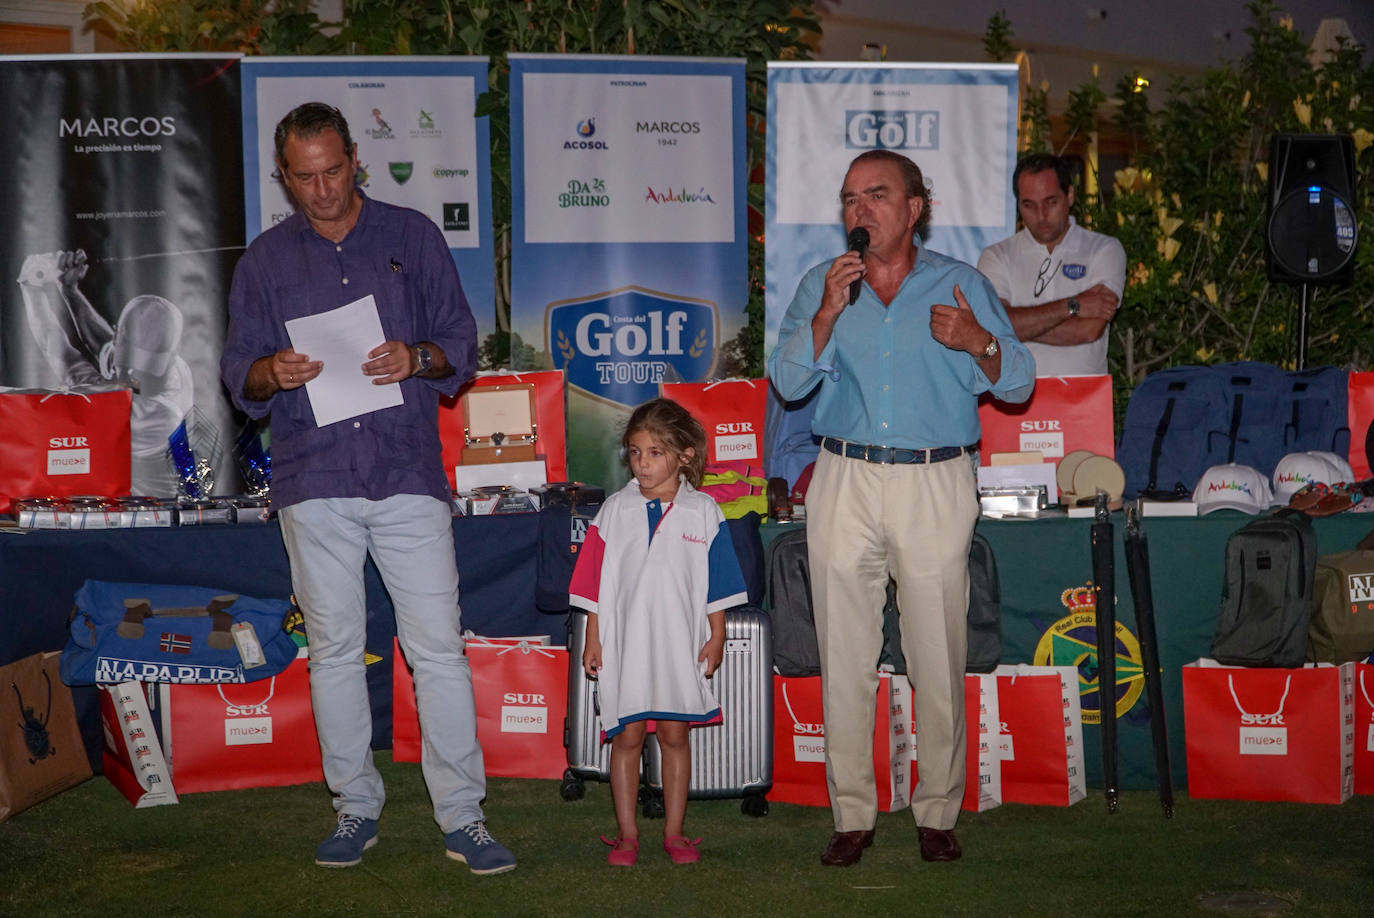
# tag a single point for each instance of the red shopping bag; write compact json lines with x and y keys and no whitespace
{"x":550,"y":418}
{"x":1360,"y":408}
{"x":61,"y":444}
{"x":799,"y":743}
{"x":231,"y":736}
{"x":982,"y":764}
{"x":1269,"y":734}
{"x":521,"y":692}
{"x":132,"y":759}
{"x":1063,"y":414}
{"x":1364,"y":728}
{"x":731,"y":411}
{"x":1041,"y":738}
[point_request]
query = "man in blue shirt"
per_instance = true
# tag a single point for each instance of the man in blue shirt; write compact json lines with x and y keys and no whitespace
{"x":893,"y":493}
{"x":370,"y":484}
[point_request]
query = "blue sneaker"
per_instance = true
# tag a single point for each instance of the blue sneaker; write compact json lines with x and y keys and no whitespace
{"x":473,"y":845}
{"x":351,"y":837}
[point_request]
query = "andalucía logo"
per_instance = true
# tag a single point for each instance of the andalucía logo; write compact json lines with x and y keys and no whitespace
{"x":1072,"y":641}
{"x":681,"y":196}
{"x":621,"y":344}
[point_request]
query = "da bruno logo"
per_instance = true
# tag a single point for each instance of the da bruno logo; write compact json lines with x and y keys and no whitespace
{"x":621,"y":344}
{"x":1072,"y":641}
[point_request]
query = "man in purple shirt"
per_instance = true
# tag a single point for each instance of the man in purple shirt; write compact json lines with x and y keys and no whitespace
{"x":370,"y":484}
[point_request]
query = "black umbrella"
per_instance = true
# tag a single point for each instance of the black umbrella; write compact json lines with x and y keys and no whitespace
{"x":1138,"y":567}
{"x":1104,"y":589}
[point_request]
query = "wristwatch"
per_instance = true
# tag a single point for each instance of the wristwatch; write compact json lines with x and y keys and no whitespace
{"x":991,"y":350}
{"x":1073,"y":305}
{"x":423,"y":359}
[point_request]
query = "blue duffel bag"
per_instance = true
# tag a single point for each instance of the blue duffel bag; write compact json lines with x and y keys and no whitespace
{"x":163,"y":633}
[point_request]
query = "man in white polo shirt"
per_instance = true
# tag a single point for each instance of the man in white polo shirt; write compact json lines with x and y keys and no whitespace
{"x":1061,"y":283}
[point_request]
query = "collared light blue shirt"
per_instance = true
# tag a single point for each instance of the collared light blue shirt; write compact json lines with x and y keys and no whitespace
{"x":399,"y":257}
{"x":884,"y":380}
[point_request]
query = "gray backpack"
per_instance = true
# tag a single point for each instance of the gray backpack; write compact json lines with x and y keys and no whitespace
{"x":1266,"y":598}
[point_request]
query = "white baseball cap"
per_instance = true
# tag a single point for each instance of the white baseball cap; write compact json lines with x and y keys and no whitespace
{"x":1297,"y":470}
{"x":1233,"y":487}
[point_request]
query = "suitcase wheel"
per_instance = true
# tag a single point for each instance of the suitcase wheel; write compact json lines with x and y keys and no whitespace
{"x":571,"y":787}
{"x":651,"y":802}
{"x":754,"y":805}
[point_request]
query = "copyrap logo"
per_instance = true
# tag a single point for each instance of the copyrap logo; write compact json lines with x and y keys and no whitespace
{"x":622,"y":344}
{"x":891,"y":130}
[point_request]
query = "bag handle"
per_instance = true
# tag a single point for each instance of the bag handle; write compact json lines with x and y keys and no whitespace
{"x":1287,"y":684}
{"x":524,"y":647}
{"x":271,"y":690}
{"x":136,"y":611}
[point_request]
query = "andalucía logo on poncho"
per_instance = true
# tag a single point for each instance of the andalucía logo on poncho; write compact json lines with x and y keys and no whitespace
{"x":621,"y":344}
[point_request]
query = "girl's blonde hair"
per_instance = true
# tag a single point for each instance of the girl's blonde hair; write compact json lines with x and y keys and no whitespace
{"x":675,"y":430}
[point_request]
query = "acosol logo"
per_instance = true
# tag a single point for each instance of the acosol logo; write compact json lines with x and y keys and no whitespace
{"x":621,"y":344}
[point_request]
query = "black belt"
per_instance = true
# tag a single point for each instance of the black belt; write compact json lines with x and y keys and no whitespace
{"x":891,"y":454}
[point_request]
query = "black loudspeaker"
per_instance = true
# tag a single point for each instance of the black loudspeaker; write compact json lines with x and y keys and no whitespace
{"x":1312,"y":227}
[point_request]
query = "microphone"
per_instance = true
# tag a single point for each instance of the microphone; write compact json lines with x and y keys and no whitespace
{"x":858,"y":242}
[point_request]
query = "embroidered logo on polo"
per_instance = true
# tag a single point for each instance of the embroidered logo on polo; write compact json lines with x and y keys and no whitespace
{"x":1074,"y":272}
{"x":1072,"y":641}
{"x":621,"y":344}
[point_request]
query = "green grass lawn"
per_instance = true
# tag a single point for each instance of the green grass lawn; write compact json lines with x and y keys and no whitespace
{"x":88,"y":852}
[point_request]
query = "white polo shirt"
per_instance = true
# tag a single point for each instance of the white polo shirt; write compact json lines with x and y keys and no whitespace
{"x":1080,"y":261}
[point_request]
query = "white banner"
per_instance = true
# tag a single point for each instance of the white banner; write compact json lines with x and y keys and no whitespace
{"x":956,"y":121}
{"x":419,"y":146}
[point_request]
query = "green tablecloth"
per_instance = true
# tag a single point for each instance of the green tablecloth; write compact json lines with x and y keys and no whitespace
{"x":1045,"y":573}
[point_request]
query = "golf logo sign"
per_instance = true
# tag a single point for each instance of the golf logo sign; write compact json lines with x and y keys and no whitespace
{"x":622,"y":343}
{"x":1072,"y":641}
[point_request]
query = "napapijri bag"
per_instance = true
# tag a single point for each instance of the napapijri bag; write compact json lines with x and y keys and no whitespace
{"x":1342,"y":628}
{"x":1172,"y":418}
{"x":164,"y":633}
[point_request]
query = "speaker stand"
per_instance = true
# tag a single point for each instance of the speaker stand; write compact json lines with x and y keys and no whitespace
{"x":1302,"y":328}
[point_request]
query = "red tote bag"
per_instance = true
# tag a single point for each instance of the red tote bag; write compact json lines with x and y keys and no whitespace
{"x":799,"y":743}
{"x":1041,"y":735}
{"x":1360,"y":406}
{"x":1269,"y":734}
{"x":62,"y":444}
{"x":731,"y":411}
{"x":521,"y":692}
{"x":231,"y":736}
{"x":550,"y":416}
{"x":1063,"y":414}
{"x":1364,"y":728}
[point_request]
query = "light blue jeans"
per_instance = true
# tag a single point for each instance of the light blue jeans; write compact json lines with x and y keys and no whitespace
{"x":410,"y":538}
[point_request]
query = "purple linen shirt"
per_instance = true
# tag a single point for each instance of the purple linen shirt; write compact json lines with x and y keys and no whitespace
{"x":399,"y":256}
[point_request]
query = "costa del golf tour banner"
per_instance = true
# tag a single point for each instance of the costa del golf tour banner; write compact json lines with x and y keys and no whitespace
{"x":956,"y":121}
{"x":420,"y":145}
{"x":121,"y":220}
{"x":629,"y":261}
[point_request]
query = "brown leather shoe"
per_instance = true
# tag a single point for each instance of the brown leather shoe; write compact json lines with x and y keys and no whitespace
{"x":845,"y":848}
{"x":939,"y":845}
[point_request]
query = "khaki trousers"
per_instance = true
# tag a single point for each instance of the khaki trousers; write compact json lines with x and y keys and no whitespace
{"x":867,"y":522}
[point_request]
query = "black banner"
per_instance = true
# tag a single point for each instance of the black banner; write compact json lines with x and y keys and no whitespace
{"x":121,"y":219}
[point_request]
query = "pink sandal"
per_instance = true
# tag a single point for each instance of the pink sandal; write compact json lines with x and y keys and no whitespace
{"x":681,"y":849}
{"x":624,"y":851}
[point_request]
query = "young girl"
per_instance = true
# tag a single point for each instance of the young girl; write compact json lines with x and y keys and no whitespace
{"x":656,"y":573}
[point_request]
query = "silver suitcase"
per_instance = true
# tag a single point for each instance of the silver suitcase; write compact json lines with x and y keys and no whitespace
{"x":588,"y":758}
{"x":733,"y":758}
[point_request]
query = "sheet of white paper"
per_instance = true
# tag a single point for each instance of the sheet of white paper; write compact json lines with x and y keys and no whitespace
{"x":342,"y":338}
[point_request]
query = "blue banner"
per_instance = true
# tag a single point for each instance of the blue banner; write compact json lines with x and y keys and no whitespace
{"x":629,"y":257}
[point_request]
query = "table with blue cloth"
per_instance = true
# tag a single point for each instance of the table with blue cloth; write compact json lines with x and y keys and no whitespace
{"x":41,"y":570}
